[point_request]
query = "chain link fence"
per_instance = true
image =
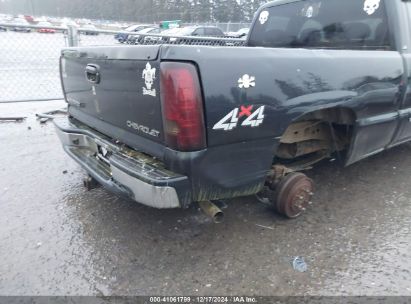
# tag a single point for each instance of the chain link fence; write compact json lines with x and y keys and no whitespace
{"x":29,"y":59}
{"x":29,"y":56}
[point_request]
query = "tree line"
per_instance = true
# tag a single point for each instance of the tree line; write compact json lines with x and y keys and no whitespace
{"x":192,"y":11}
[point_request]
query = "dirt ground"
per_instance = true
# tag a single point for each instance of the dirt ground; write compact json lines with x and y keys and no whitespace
{"x":58,"y":239}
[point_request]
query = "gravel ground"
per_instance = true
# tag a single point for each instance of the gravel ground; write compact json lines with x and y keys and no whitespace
{"x":58,"y":239}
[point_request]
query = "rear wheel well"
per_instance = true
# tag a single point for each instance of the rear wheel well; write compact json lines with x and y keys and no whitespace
{"x":315,"y":136}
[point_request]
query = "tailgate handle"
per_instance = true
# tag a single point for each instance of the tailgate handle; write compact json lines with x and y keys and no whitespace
{"x":93,"y":73}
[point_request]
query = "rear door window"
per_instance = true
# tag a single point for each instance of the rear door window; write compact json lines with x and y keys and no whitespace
{"x":329,"y":24}
{"x":199,"y":32}
{"x":213,"y":32}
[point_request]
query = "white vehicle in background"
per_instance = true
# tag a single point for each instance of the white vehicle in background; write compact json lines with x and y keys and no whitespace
{"x":5,"y":18}
{"x":241,"y":33}
{"x":41,"y":19}
{"x":21,"y":25}
{"x":53,"y":20}
{"x":68,"y":22}
{"x":115,"y":25}
{"x":89,"y":29}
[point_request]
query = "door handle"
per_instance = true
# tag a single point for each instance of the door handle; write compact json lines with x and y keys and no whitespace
{"x":93,"y":73}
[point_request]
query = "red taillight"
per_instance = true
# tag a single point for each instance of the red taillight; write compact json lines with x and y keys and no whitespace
{"x":182,"y":107}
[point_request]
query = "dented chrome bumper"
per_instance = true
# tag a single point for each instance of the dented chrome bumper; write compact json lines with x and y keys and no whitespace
{"x":121,"y":170}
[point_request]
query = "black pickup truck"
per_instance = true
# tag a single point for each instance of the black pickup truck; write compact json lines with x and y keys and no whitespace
{"x":171,"y":124}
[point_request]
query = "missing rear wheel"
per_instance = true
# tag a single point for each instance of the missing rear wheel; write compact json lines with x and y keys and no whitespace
{"x":293,"y":194}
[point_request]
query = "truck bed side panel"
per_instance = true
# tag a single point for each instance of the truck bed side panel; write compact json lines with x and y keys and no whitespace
{"x":291,"y":82}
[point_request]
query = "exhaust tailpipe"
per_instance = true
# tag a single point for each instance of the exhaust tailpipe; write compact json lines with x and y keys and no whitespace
{"x":212,"y":211}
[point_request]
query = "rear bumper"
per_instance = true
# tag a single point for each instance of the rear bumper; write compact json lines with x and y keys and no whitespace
{"x":121,"y":170}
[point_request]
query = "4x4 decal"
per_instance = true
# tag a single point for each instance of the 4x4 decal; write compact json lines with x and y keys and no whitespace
{"x":231,"y":120}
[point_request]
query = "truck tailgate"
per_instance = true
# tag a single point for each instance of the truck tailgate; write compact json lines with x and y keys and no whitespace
{"x":117,"y":86}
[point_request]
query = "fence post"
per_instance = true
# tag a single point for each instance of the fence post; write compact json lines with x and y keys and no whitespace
{"x":72,"y":36}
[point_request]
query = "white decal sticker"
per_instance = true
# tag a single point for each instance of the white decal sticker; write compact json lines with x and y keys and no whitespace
{"x":246,"y":81}
{"x":370,"y":6}
{"x":231,"y":120}
{"x":310,"y":12}
{"x":149,"y":74}
{"x":264,"y":17}
{"x":255,"y":119}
